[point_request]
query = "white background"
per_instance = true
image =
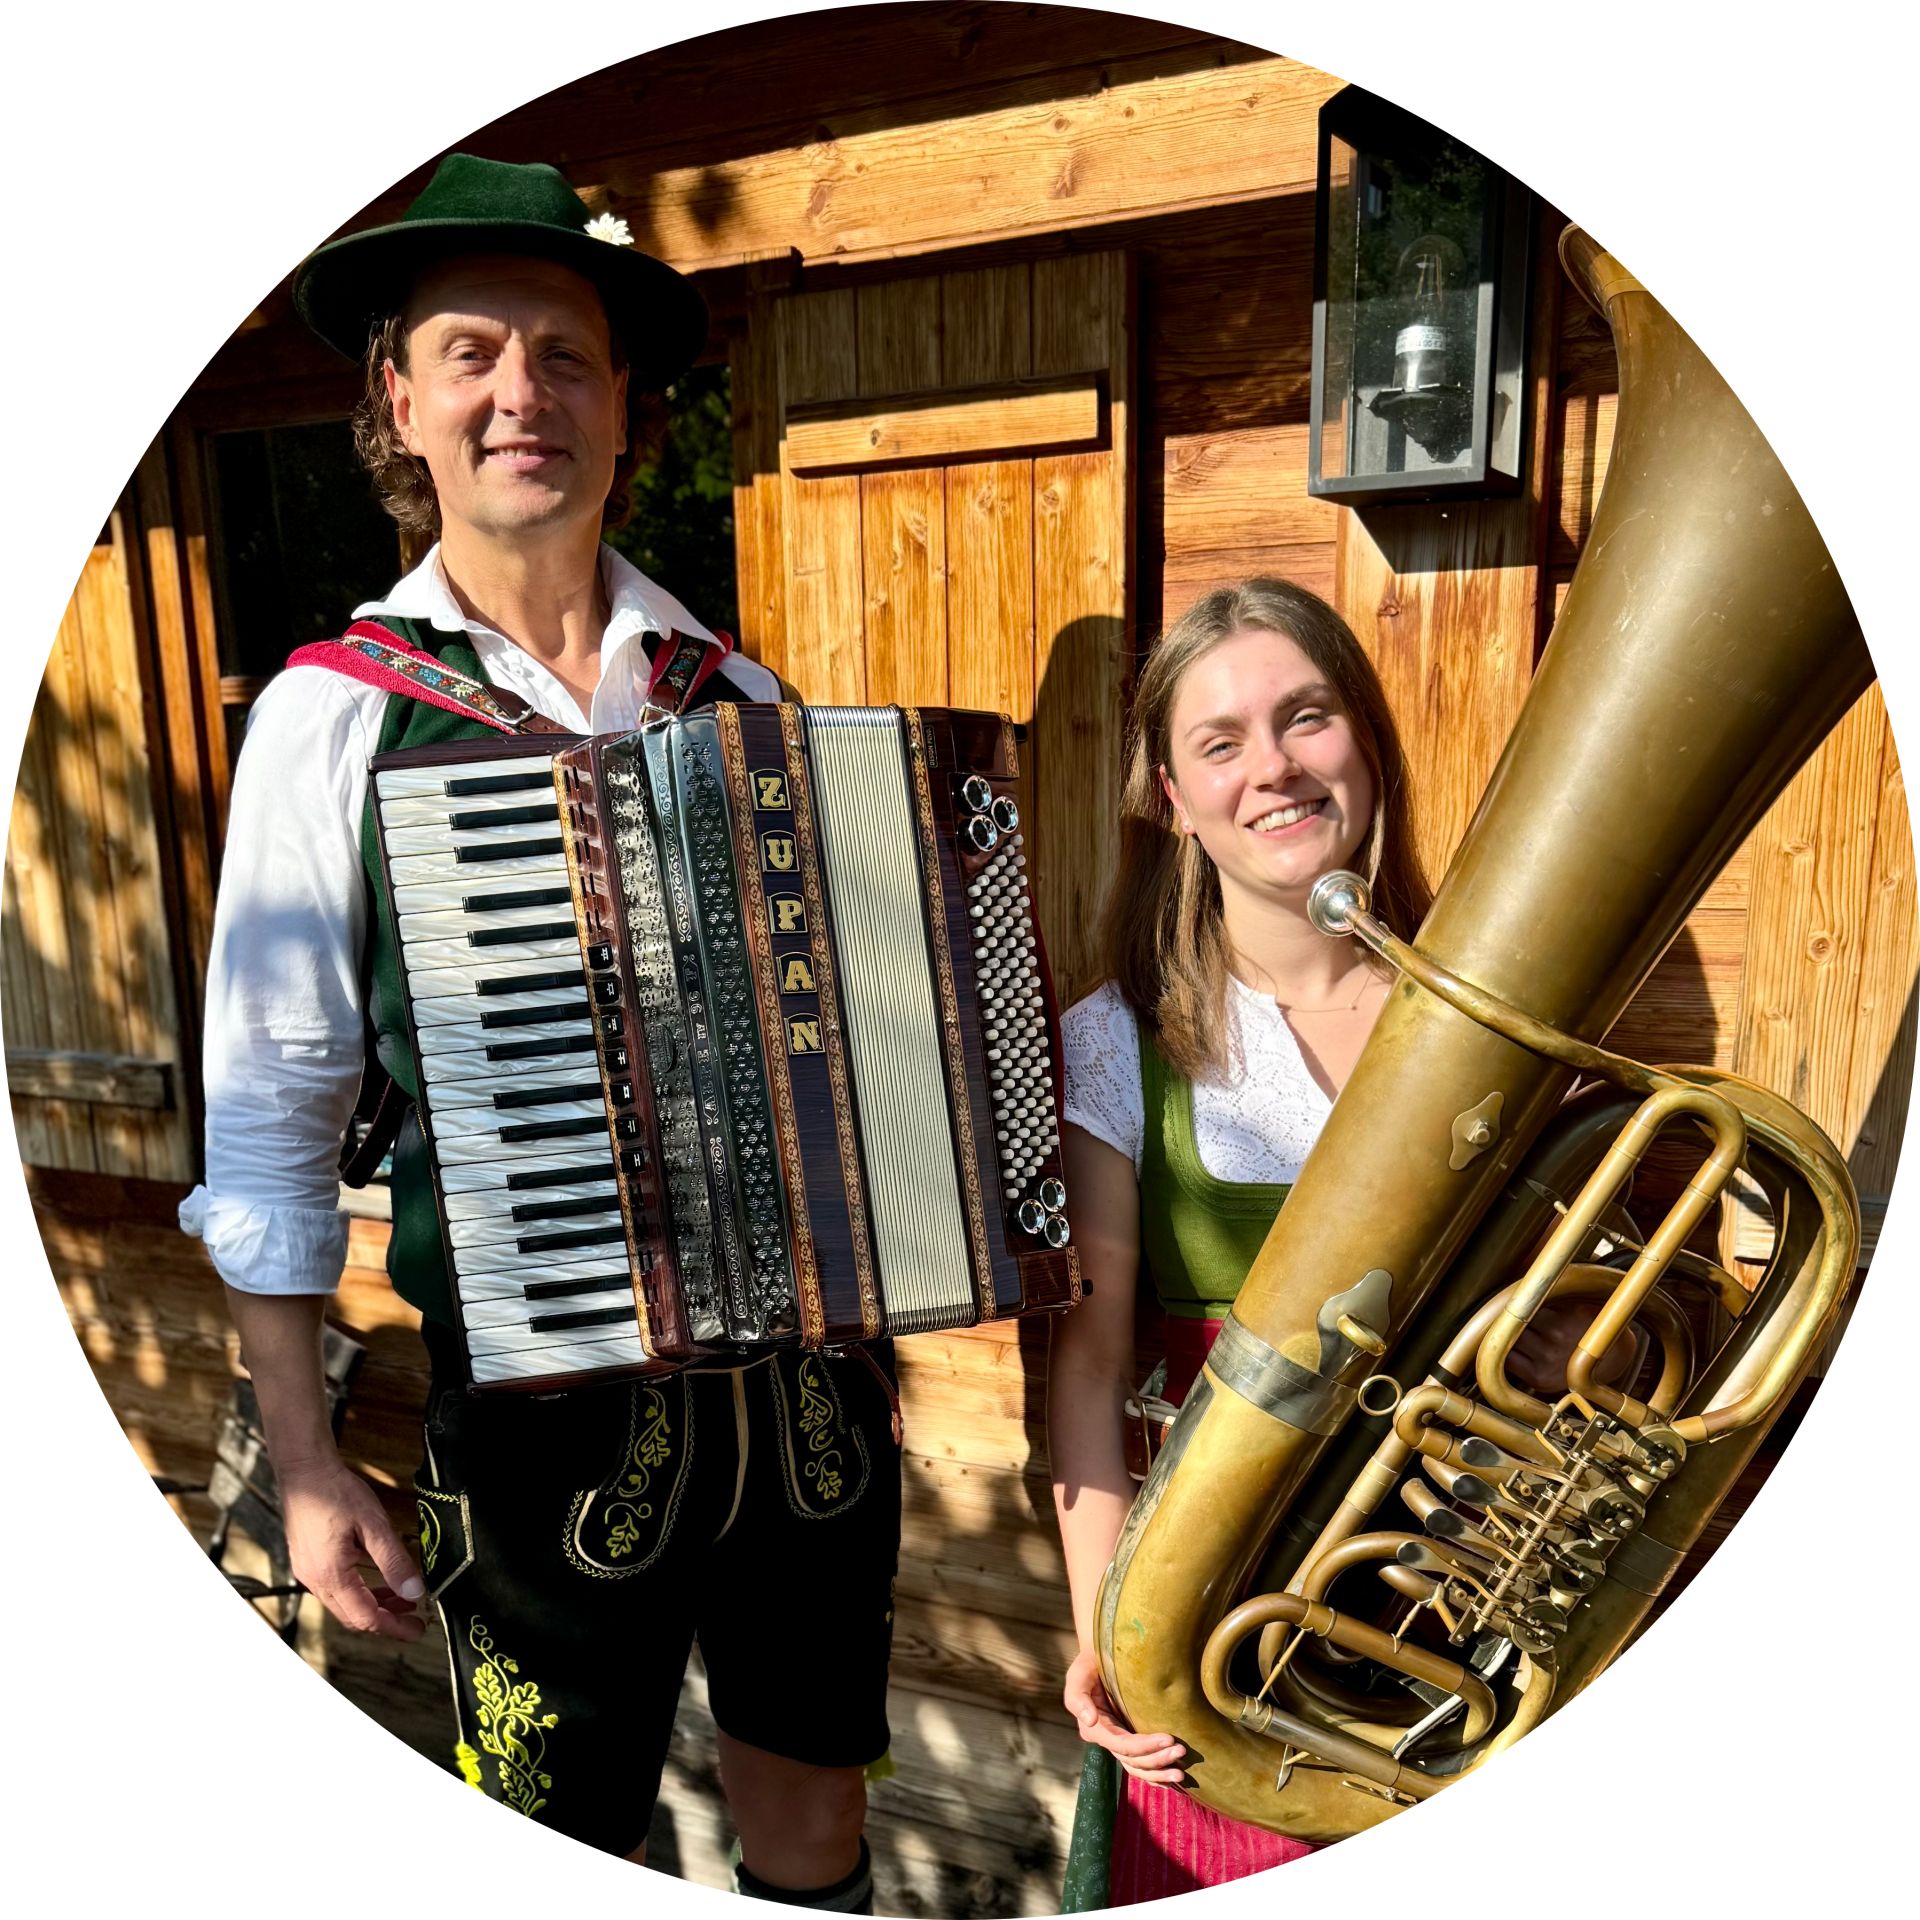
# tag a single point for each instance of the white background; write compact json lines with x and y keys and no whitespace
{"x":166,"y":167}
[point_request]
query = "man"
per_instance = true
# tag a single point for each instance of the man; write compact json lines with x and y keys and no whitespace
{"x":574,"y":1544}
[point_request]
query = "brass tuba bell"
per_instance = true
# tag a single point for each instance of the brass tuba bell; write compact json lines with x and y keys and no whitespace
{"x":1439,"y":1557}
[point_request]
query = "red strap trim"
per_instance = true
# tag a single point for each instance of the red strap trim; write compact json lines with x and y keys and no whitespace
{"x":681,"y":664}
{"x":379,"y":657}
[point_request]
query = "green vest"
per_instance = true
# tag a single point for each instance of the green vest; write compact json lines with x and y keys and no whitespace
{"x":1198,"y":1234}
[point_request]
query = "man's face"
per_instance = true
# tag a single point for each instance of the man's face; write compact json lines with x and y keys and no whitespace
{"x":510,"y":395}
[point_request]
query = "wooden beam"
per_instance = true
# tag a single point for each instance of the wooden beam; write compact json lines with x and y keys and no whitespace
{"x":101,"y":1079}
{"x":1136,"y":141}
{"x":1026,"y":416}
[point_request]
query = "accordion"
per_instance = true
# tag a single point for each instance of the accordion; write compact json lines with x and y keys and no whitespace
{"x":731,"y":1032}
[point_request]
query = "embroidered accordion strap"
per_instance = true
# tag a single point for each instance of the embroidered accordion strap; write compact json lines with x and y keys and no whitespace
{"x":377,"y":655}
{"x":681,"y":663}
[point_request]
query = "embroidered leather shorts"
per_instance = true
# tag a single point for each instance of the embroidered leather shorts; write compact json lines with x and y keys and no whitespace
{"x":577,"y":1545}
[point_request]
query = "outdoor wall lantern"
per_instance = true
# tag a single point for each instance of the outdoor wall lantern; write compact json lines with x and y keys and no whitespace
{"x":1420,"y":288}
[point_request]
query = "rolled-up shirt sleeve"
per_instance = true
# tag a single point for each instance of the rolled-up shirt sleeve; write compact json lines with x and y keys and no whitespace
{"x":284,"y":1035}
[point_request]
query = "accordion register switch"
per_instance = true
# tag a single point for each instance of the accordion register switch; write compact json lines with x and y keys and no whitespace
{"x":731,"y":1032}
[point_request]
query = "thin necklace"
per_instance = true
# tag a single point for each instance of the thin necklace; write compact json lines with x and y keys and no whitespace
{"x":1367,"y":978}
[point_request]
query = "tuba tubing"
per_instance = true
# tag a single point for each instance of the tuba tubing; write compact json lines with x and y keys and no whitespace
{"x":1705,"y":649}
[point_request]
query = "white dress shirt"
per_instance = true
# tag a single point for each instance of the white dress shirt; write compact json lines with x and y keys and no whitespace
{"x":284,"y":1032}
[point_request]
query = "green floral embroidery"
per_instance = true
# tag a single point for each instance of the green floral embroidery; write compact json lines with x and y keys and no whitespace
{"x":468,"y":1762}
{"x":429,"y":1537}
{"x":819,"y":1431}
{"x":628,"y":1505}
{"x":509,"y":1724}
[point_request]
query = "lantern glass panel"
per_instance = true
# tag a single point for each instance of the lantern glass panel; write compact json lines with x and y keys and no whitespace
{"x":1408,"y":302}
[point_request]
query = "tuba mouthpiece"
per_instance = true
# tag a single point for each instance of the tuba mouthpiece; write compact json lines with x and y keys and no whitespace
{"x":1335,"y":899}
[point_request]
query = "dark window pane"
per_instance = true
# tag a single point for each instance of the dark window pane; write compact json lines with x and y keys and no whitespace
{"x":681,"y":529}
{"x":301,"y":541}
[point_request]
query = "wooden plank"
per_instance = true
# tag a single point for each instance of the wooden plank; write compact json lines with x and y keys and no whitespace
{"x":186,"y":937}
{"x":1688,"y":1011}
{"x":1192,"y":575}
{"x":1880,"y":1077}
{"x":989,"y":536}
{"x":1131,"y":142}
{"x":106,"y":1079}
{"x":22,"y":1000}
{"x":37,"y":861}
{"x":987,"y":335}
{"x":150,"y":1025}
{"x":1444,"y":607}
{"x":179,"y":585}
{"x":965,"y":1655}
{"x":759,"y":542}
{"x":825,"y":638}
{"x":1811,"y":865}
{"x":1231,"y":292}
{"x":1082,"y":575}
{"x":96,"y":809}
{"x":903,"y":520}
{"x":1023,"y":417}
{"x":1240,"y":489}
{"x":1587,"y":424}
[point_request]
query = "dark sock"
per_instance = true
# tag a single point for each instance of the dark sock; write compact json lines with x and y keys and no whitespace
{"x":854,"y":1894}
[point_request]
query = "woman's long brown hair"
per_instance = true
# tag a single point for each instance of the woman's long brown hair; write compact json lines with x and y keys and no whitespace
{"x":1162,"y":937}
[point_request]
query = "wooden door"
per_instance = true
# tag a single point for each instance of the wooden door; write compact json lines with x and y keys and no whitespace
{"x":96,"y":1048}
{"x":935,"y":509}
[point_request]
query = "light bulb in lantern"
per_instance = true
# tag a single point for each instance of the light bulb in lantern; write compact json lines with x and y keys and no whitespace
{"x":1430,"y":271}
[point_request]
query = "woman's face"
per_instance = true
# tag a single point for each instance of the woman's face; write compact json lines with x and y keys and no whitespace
{"x":1264,"y":769}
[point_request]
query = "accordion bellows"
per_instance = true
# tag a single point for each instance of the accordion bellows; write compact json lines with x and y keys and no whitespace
{"x":732,"y":1032}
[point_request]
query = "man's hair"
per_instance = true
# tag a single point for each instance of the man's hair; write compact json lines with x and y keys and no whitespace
{"x":401,"y":478}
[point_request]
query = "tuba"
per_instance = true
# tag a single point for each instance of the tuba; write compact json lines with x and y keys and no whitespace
{"x":1438,"y":1556}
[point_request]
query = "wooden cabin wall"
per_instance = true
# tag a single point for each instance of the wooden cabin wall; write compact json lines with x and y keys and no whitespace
{"x":795,"y":162}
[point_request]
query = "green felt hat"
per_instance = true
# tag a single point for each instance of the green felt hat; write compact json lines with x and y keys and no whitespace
{"x":470,"y":205}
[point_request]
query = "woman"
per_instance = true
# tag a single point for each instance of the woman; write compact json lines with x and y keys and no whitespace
{"x":1262,"y":755}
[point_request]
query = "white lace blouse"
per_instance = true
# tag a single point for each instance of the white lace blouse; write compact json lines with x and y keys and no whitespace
{"x":1255,"y":1123}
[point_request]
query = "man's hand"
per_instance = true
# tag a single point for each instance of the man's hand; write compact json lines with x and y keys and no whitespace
{"x":1153,"y":1757}
{"x":336,"y":1531}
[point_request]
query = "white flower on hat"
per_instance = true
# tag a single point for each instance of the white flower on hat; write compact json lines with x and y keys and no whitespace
{"x":609,"y":226}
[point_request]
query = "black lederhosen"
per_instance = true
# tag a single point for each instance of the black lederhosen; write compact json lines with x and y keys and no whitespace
{"x":577,"y":1544}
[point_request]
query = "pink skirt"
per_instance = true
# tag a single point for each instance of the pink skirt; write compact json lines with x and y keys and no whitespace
{"x":1164,"y":1840}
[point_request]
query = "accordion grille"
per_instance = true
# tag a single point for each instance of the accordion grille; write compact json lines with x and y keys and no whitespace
{"x":893,"y":1035}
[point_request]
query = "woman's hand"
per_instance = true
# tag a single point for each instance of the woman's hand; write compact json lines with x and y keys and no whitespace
{"x":1152,"y":1757}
